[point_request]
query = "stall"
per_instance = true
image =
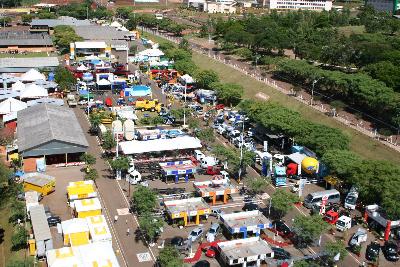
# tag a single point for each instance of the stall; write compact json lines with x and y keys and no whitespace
{"x":178,"y":169}
{"x":81,"y":190}
{"x":191,"y":210}
{"x":245,"y":252}
{"x":215,"y":188}
{"x":99,"y":230}
{"x":43,"y":240}
{"x":87,"y":207}
{"x":75,"y":232}
{"x":246,"y":222}
{"x":39,"y":182}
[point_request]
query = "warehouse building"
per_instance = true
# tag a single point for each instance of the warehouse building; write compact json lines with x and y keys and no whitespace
{"x":22,"y":65}
{"x":47,"y":25}
{"x":24,"y":41}
{"x":52,"y":132}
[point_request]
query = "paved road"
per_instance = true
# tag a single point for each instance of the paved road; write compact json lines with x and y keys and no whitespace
{"x":113,"y":198}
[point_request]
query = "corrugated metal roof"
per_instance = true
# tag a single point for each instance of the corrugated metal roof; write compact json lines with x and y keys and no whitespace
{"x":97,"y":32}
{"x":44,"y":123}
{"x":30,"y":62}
{"x":40,"y":226}
{"x":19,"y":38}
{"x":51,"y":23}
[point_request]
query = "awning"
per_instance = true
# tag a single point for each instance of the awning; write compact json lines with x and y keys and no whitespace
{"x":297,"y":157}
{"x":159,"y":145}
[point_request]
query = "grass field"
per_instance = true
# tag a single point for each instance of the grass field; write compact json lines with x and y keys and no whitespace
{"x":349,"y":30}
{"x":361,"y":144}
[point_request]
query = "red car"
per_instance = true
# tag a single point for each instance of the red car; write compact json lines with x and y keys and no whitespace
{"x":211,"y":252}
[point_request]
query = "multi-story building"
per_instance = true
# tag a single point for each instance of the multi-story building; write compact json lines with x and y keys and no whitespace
{"x":384,"y":5}
{"x":317,"y":5}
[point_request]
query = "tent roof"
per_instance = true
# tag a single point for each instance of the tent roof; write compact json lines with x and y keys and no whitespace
{"x":18,"y":86}
{"x":103,"y":82}
{"x":297,"y":157}
{"x":187,"y":78}
{"x":152,"y":52}
{"x":82,"y":67}
{"x":158,"y":145}
{"x":33,"y":91}
{"x":116,"y":24}
{"x":12,"y":105}
{"x":32,"y":75}
{"x":76,"y":225}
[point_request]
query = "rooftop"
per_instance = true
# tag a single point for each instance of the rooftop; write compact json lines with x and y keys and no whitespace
{"x":245,"y":219}
{"x":37,"y":178}
{"x":186,"y":205}
{"x":51,"y":23}
{"x":20,"y":38}
{"x":40,"y":225}
{"x":43,"y":123}
{"x":29,"y":62}
{"x":87,"y":204}
{"x":244,"y":248}
{"x":97,"y":32}
{"x":204,"y":188}
{"x":178,"y":166}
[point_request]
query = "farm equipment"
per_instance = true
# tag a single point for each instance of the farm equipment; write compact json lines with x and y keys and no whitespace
{"x":148,"y":105}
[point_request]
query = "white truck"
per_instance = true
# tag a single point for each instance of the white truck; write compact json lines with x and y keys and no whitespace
{"x":71,"y":101}
{"x":350,"y":201}
{"x":343,"y":223}
{"x":134,"y":177}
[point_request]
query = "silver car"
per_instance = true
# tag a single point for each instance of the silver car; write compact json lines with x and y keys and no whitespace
{"x":195,"y":234}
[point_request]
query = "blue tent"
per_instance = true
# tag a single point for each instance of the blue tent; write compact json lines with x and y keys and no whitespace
{"x":137,"y":91}
{"x":51,"y":76}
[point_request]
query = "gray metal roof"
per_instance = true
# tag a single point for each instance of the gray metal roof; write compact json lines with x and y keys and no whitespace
{"x":51,"y":23}
{"x":40,"y":226}
{"x":20,"y":38}
{"x":43,"y":123}
{"x":30,"y":62}
{"x":97,"y":32}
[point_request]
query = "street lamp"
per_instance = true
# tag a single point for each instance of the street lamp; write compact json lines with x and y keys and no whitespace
{"x":312,"y":90}
{"x":241,"y":153}
{"x":184,"y":108}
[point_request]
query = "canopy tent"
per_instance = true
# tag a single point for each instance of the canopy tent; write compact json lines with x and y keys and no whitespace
{"x":115,"y":24}
{"x":123,"y":29}
{"x":12,"y":105}
{"x":82,"y":68}
{"x":159,"y":145}
{"x":187,"y":78}
{"x":46,"y":84}
{"x":7,"y":78}
{"x":18,"y":86}
{"x":32,"y":75}
{"x":33,"y":91}
{"x":104,"y":82}
{"x":138,"y":91}
{"x":4,"y":94}
{"x":91,"y":57}
{"x":152,"y":52}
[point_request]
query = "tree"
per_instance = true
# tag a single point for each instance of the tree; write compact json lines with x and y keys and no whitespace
{"x":28,"y":261}
{"x":332,"y":248}
{"x":258,"y":185}
{"x":26,"y":18}
{"x":120,"y":165}
{"x":186,"y":66}
{"x":6,"y":20}
{"x":108,"y":141}
{"x":309,"y":228}
{"x":18,"y":239}
{"x":206,"y":135}
{"x":92,"y":175}
{"x":89,"y":160}
{"x":63,"y":36}
{"x":169,"y":256}
{"x":64,"y":78}
{"x":133,"y":49}
{"x":144,"y":200}
{"x":150,"y":225}
{"x":282,"y":202}
{"x":193,"y":123}
{"x":184,"y":44}
{"x":17,"y":212}
{"x":205,"y":78}
{"x":228,"y":93}
{"x":305,"y":263}
{"x":124,"y":12}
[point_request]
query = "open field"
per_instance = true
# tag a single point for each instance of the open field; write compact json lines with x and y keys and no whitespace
{"x":360,"y":143}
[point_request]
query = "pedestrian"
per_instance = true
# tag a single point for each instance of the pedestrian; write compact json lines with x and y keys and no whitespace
{"x":126,"y":221}
{"x":115,"y":218}
{"x":128,"y":231}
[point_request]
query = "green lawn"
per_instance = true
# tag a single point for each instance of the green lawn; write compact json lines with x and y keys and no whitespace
{"x":349,"y":30}
{"x":360,"y":143}
{"x":39,"y":54}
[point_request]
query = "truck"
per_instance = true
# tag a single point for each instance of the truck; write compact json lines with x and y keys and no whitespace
{"x":71,"y":101}
{"x":359,"y":237}
{"x":331,"y":217}
{"x":351,"y":199}
{"x":343,"y":223}
{"x":134,"y":177}
{"x":148,"y":105}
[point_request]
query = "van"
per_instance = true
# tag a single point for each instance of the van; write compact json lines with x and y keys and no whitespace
{"x":199,"y":155}
{"x":316,"y":197}
{"x":208,"y":162}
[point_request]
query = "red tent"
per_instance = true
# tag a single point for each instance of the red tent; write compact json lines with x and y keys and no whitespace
{"x":291,"y":169}
{"x":108,"y":102}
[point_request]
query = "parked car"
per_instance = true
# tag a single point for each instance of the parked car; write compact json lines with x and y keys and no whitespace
{"x":359,"y":237}
{"x":372,"y":252}
{"x":177,"y":241}
{"x":282,"y":228}
{"x":195,"y":234}
{"x":213,"y":231}
{"x":216,"y":212}
{"x":250,"y":206}
{"x":202,"y":263}
{"x":390,"y":251}
{"x":280,"y":253}
{"x":211,"y":252}
{"x":53,"y":220}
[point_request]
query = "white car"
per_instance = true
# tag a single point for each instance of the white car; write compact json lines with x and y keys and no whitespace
{"x":195,"y":234}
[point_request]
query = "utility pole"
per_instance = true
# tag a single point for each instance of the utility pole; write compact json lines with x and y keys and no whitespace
{"x":184,"y":109}
{"x":241,"y":153}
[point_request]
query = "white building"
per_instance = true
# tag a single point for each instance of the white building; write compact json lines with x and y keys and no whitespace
{"x":220,"y":6}
{"x":317,"y":5}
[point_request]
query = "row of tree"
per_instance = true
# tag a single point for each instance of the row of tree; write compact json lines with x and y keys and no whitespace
{"x":358,"y":89}
{"x":63,"y":36}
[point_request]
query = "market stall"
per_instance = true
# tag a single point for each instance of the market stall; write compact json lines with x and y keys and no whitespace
{"x":178,"y":169}
{"x":191,"y":210}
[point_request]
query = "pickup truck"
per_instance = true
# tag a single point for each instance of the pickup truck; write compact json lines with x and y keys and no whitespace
{"x":71,"y":101}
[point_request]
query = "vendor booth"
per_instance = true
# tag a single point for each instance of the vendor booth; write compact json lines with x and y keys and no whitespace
{"x":218,"y":187}
{"x":178,"y":169}
{"x":191,"y":210}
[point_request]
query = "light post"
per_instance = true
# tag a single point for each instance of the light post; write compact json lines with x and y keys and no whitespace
{"x":241,"y":153}
{"x":184,"y":108}
{"x":312,"y":90}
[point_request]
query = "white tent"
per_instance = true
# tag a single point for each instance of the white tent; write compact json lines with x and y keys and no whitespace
{"x":34,"y":91}
{"x":103,"y":82}
{"x":123,"y":29}
{"x":12,"y":105}
{"x":91,"y":57}
{"x":82,"y":68}
{"x":116,"y":24}
{"x":187,"y":78}
{"x":32,"y":75}
{"x":151,"y":52}
{"x":18,"y":86}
